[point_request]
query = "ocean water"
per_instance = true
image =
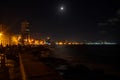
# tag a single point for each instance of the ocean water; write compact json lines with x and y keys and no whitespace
{"x":105,"y":57}
{"x":102,"y":54}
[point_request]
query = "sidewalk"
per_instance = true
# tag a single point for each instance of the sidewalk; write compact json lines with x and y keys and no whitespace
{"x":36,"y":70}
{"x":4,"y":73}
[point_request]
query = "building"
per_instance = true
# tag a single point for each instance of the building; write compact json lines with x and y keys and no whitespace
{"x":25,"y":33}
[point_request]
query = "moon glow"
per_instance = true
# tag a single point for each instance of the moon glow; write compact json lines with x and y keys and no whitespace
{"x":61,"y":8}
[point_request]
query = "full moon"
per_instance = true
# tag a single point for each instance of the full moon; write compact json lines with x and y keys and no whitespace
{"x":61,"y":8}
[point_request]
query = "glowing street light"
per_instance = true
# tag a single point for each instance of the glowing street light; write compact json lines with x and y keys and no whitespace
{"x":1,"y":34}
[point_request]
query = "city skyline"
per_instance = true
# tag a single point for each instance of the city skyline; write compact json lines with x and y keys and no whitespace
{"x":65,"y":19}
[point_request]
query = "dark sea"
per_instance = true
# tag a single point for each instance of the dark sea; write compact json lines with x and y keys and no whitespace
{"x":103,"y":57}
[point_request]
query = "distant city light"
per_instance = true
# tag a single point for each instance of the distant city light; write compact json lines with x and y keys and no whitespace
{"x":86,"y":43}
{"x":60,"y":43}
{"x":101,"y":43}
{"x":68,"y":43}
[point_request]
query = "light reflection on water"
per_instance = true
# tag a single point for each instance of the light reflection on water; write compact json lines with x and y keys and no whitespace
{"x":69,"y":55}
{"x":98,"y":59}
{"x":88,"y":54}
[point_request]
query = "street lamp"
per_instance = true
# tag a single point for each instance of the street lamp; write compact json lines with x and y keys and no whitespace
{"x":1,"y":34}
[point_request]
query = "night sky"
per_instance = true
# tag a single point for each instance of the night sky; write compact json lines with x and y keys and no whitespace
{"x":79,"y":20}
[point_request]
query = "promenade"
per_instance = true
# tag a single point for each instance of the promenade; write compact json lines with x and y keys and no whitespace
{"x":32,"y":69}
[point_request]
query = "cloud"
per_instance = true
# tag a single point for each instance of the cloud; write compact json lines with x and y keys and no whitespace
{"x":118,"y":12}
{"x":113,"y":20}
{"x":102,"y":24}
{"x":103,"y":32}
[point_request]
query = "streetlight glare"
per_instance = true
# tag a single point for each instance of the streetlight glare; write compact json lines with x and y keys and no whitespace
{"x":1,"y":34}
